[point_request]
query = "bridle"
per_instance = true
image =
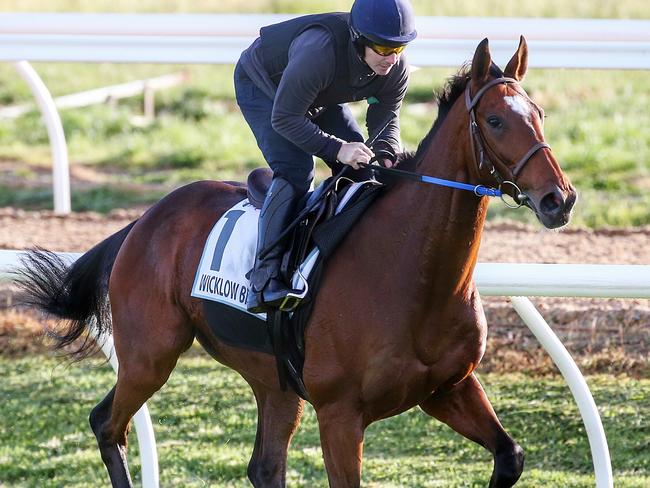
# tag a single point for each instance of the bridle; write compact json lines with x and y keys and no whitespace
{"x":479,"y":144}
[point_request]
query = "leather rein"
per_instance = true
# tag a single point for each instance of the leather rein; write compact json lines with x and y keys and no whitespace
{"x":479,"y":144}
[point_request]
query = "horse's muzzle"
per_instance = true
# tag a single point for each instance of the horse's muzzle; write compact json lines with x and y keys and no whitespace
{"x":553,"y":209}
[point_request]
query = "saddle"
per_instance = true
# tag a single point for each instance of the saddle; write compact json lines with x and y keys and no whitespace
{"x":320,"y":227}
{"x":316,"y":207}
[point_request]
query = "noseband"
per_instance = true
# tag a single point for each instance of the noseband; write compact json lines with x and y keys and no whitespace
{"x":479,"y":143}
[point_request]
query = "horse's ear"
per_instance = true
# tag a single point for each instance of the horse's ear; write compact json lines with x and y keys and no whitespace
{"x":518,"y":65}
{"x":481,"y":63}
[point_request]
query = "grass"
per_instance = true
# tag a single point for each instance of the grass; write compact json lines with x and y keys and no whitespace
{"x":204,"y":421}
{"x":595,"y":123}
{"x":511,"y":8}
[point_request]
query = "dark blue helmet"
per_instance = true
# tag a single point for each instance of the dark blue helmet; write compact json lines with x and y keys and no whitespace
{"x":385,"y":22}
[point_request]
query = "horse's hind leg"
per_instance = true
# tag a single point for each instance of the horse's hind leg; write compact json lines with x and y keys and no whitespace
{"x":466,"y":409}
{"x":143,"y":371}
{"x":113,"y":454}
{"x":111,"y":418}
{"x":278,"y":417}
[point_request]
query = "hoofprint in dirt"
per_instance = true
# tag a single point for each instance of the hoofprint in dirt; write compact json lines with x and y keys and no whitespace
{"x":603,"y":334}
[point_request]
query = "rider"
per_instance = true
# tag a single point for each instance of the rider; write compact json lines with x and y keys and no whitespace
{"x":292,"y":84}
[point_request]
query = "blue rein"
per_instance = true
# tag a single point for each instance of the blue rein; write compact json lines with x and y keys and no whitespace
{"x":478,"y":190}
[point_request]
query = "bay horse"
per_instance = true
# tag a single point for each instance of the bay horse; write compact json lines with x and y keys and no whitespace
{"x":398,"y":321}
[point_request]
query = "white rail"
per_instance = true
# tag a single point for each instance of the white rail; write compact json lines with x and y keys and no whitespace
{"x":103,"y":95}
{"x":514,"y":280}
{"x":59,"y":148}
{"x":578,"y":386}
{"x":203,"y":38}
{"x":563,"y":280}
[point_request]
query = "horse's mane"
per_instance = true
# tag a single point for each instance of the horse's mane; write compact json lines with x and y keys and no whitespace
{"x":445,"y":99}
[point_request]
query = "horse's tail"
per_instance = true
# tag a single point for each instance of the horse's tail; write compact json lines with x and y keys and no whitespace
{"x":76,"y":293}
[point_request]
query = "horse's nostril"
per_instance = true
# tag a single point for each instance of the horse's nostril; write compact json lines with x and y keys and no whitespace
{"x":551,"y":203}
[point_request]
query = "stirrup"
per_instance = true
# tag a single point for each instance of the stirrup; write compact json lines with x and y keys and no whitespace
{"x":293,"y":298}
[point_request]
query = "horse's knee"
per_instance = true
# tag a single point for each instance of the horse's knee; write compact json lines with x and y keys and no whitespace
{"x":508,"y":465}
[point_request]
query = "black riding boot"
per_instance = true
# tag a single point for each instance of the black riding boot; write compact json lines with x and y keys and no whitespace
{"x":267,"y":288}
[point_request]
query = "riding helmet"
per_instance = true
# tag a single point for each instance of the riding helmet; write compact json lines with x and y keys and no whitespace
{"x":384,"y":22}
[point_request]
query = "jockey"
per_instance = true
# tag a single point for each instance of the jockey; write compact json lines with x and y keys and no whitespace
{"x":292,"y":84}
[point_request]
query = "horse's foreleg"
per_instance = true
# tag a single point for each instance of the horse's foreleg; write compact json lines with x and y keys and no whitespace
{"x":278,"y":417}
{"x":466,"y":409}
{"x":341,"y":436}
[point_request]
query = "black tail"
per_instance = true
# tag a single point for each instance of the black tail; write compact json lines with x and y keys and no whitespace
{"x":76,"y":293}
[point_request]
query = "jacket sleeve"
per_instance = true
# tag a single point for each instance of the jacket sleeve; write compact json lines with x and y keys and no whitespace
{"x":311,"y":69}
{"x":382,"y":118}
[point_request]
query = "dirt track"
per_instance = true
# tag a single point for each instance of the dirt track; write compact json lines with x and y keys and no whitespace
{"x":605,"y":334}
{"x":502,"y":242}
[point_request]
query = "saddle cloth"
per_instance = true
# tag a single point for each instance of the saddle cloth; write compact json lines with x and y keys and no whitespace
{"x":228,"y":254}
{"x":220,"y":280}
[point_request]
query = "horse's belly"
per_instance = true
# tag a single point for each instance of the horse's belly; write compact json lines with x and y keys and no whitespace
{"x":398,"y":386}
{"x":393,"y":384}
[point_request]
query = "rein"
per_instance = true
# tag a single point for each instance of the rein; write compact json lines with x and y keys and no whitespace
{"x":478,"y":190}
{"x":303,"y":214}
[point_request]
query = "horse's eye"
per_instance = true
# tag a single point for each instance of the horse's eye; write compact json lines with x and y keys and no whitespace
{"x":494,"y":122}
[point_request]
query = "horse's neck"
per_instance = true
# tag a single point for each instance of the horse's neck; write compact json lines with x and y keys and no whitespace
{"x":446,"y":224}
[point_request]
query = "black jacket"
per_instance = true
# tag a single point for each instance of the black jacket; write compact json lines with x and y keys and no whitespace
{"x":311,"y":62}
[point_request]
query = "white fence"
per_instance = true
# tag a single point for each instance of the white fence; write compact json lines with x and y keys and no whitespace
{"x":175,"y":38}
{"x":97,"y":96}
{"x":203,"y":38}
{"x":497,"y":279}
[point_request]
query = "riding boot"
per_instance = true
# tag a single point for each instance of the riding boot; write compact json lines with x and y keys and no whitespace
{"x":267,"y":287}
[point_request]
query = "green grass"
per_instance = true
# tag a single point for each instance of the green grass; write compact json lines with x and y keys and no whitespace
{"x":204,"y":421}
{"x":595,"y":122}
{"x":97,"y":199}
{"x":510,"y":8}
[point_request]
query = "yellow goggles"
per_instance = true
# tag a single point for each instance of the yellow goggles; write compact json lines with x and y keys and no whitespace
{"x":386,"y":50}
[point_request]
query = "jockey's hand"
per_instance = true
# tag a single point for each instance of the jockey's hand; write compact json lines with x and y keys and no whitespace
{"x":353,"y":153}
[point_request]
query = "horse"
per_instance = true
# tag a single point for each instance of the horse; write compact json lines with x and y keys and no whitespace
{"x":398,"y":320}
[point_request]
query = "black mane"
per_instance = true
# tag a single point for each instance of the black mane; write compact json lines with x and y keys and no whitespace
{"x":445,"y":99}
